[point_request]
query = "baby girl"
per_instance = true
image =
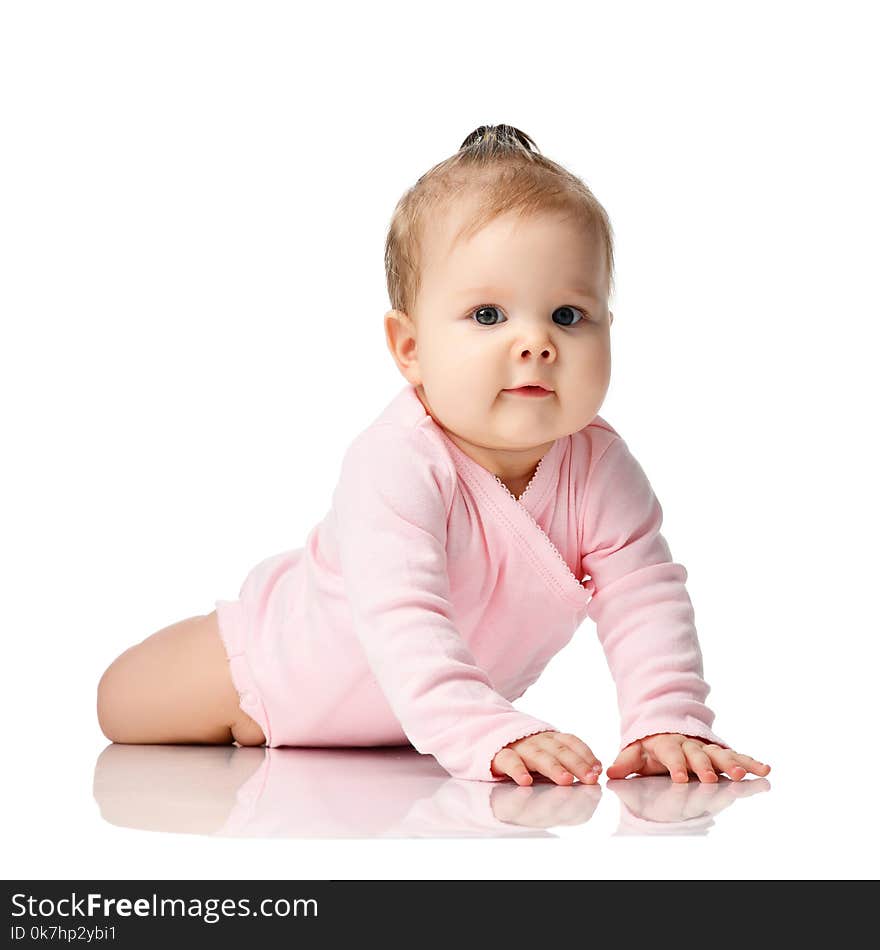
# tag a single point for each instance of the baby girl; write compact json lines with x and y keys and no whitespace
{"x":477,"y":521}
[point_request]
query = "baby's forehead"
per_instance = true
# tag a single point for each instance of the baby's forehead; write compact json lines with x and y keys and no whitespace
{"x":448,"y":231}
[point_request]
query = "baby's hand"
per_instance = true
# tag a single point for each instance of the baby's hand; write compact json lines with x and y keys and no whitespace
{"x":558,"y":755}
{"x":674,"y":753}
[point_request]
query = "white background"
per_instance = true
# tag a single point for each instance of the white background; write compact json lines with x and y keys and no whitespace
{"x":194,"y":203}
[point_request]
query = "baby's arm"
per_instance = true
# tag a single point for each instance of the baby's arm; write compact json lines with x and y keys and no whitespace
{"x":643,"y":614}
{"x":391,"y":508}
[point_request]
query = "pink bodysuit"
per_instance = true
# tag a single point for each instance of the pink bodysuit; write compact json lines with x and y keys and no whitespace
{"x":429,"y":598}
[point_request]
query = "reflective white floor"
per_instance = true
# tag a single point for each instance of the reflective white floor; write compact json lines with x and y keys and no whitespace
{"x":84,"y":808}
{"x":381,"y":793}
{"x":180,"y":812}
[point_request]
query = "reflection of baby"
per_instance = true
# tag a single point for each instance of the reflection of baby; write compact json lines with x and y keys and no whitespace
{"x":476,"y":522}
{"x":321,"y":793}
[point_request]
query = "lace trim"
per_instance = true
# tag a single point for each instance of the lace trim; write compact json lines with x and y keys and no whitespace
{"x":534,"y":476}
{"x":580,"y":586}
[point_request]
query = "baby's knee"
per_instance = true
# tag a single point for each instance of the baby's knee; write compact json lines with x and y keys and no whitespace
{"x":121,"y":697}
{"x":110,"y":708}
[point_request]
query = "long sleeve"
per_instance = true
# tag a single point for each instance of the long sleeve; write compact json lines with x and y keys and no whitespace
{"x":643,"y":613}
{"x":391,"y":508}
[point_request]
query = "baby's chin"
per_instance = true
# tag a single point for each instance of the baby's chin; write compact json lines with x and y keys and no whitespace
{"x":502,"y":420}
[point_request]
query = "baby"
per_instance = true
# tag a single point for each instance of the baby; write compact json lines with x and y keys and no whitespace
{"x":477,"y":521}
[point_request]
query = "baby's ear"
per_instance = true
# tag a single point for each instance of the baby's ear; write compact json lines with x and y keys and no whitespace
{"x":401,"y":342}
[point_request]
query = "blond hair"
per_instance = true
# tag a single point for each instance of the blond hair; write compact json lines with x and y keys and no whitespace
{"x":504,"y":168}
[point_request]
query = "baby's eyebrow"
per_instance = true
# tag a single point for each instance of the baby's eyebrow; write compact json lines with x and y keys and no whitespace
{"x":573,"y":291}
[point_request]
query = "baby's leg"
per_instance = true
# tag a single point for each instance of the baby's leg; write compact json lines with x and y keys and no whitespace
{"x":175,"y":687}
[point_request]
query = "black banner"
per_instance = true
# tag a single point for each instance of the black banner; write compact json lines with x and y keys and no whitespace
{"x":139,"y":913}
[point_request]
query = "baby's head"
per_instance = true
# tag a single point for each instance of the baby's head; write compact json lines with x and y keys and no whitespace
{"x":499,"y":265}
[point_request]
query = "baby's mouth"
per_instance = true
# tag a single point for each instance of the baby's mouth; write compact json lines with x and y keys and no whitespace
{"x":532,"y":391}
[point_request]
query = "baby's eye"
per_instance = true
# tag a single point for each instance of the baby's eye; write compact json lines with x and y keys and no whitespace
{"x":480,"y":312}
{"x":570,"y":315}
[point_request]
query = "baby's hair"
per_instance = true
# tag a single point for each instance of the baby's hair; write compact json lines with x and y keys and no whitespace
{"x":505,"y":170}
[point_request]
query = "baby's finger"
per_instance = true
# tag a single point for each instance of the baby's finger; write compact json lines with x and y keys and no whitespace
{"x":580,"y":758}
{"x":733,"y":763}
{"x":630,"y":759}
{"x":579,"y":746}
{"x":753,"y":765}
{"x":509,"y":763}
{"x":578,"y":765}
{"x":725,"y":760}
{"x":699,"y":761}
{"x":542,"y":760}
{"x":671,"y":757}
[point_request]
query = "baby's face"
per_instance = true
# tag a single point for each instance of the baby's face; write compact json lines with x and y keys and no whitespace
{"x":522,"y":300}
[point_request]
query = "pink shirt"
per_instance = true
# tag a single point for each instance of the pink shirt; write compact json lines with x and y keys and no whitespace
{"x":429,"y":598}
